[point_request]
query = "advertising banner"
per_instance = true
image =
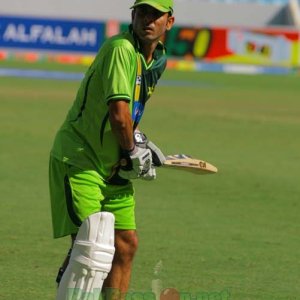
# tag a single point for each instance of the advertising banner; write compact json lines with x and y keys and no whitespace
{"x":51,"y":34}
{"x":277,"y":47}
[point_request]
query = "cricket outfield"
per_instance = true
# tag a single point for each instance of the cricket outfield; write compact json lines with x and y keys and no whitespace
{"x":235,"y":233}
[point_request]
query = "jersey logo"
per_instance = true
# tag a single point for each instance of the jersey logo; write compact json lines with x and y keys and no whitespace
{"x":150,"y":90}
{"x":138,"y":80}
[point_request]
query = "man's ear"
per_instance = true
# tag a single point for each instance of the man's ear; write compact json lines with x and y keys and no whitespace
{"x":170,"y":22}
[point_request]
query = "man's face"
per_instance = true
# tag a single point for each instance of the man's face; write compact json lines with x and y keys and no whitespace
{"x":150,"y":24}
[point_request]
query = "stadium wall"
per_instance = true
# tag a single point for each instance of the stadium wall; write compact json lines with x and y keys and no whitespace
{"x":187,"y":12}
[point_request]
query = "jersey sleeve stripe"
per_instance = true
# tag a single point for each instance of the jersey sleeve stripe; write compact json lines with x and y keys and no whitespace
{"x":118,"y":97}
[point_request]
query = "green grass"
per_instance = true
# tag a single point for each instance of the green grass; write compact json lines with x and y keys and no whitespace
{"x":235,"y":231}
{"x":42,"y":65}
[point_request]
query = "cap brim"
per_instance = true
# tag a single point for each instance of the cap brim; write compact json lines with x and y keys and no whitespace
{"x":154,"y":5}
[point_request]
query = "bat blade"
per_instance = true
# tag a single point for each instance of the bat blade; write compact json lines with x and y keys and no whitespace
{"x":186,"y":163}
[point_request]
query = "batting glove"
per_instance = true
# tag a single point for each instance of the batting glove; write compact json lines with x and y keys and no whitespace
{"x":150,"y":175}
{"x":136,"y":163}
{"x":158,"y":157}
{"x":142,"y":141}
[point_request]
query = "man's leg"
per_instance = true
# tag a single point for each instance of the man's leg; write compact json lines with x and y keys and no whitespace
{"x":117,"y":282}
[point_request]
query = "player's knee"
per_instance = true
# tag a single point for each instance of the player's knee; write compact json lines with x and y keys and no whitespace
{"x":126,"y":244}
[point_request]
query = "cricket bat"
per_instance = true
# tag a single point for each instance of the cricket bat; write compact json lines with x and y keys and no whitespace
{"x":186,"y":163}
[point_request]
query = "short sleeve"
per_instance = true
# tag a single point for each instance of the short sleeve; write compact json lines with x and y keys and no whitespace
{"x":117,"y":71}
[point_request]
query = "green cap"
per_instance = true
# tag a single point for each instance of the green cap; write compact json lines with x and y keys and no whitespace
{"x":161,"y":5}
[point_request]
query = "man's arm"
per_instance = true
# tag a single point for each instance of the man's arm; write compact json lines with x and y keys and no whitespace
{"x":121,"y":124}
{"x":136,"y":161}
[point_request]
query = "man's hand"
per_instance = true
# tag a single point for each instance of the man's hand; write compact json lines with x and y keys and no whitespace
{"x":158,"y":157}
{"x":142,"y":141}
{"x":150,"y":175}
{"x":137,"y":164}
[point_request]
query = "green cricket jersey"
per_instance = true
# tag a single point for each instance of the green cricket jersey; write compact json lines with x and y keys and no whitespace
{"x":119,"y":71}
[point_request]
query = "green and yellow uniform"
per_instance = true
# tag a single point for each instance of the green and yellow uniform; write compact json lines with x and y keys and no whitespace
{"x":85,"y":153}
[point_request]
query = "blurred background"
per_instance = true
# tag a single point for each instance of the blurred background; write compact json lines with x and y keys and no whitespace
{"x":248,"y":36}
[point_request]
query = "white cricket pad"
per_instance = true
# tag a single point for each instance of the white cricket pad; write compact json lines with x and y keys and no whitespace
{"x":91,"y":259}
